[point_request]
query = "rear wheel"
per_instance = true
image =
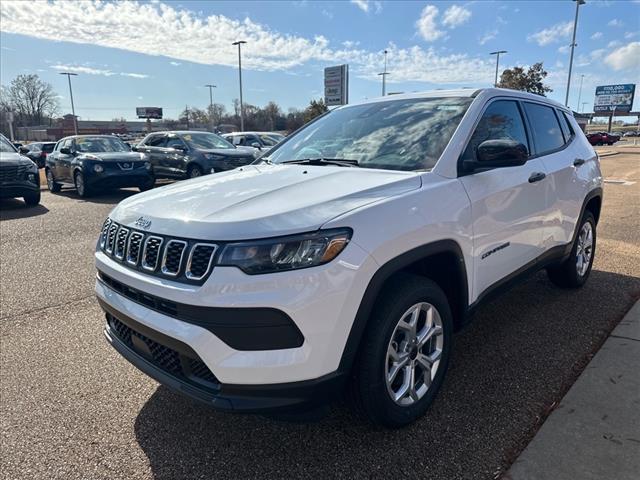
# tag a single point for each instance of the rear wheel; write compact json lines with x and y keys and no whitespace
{"x":148,"y":185}
{"x":574,"y":271}
{"x":32,"y":199}
{"x":52,"y":185}
{"x":194,"y":171}
{"x":404,"y":354}
{"x":81,"y":187}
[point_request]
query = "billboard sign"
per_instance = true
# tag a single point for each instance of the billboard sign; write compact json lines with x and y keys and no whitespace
{"x":614,"y":98}
{"x":336,"y":85}
{"x":149,"y":112}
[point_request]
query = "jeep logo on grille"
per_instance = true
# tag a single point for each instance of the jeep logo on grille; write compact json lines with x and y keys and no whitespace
{"x":143,"y":222}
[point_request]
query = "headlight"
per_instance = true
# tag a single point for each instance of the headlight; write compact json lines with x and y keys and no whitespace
{"x":31,"y":177}
{"x":98,"y":168}
{"x":285,"y":253}
{"x":147,"y":165}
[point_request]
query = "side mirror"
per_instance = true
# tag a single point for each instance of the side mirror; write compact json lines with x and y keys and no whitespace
{"x":256,"y":145}
{"x":499,"y":154}
{"x":134,"y":148}
{"x":23,"y":150}
{"x":65,"y":150}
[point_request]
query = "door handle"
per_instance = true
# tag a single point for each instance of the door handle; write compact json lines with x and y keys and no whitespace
{"x":537,"y":176}
{"x":578,"y":161}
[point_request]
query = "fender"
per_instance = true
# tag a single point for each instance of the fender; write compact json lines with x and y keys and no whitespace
{"x":382,"y":275}
{"x":596,"y":192}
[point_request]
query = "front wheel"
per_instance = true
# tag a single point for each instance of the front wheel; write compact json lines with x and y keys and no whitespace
{"x":404,"y":353}
{"x":194,"y":171}
{"x":81,"y":185}
{"x":574,"y":271}
{"x":52,"y":185}
{"x":147,"y":185}
{"x":32,"y":199}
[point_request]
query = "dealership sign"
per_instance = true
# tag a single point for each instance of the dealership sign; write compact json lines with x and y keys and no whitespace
{"x":614,"y":98}
{"x":149,"y":112}
{"x":336,"y":85}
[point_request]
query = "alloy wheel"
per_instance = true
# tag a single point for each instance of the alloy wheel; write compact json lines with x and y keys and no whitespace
{"x":413,"y":354}
{"x":80,"y":184}
{"x":585,"y":249}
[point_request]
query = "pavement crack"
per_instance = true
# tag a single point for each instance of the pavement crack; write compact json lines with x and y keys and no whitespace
{"x":41,"y":309}
{"x":625,"y":338}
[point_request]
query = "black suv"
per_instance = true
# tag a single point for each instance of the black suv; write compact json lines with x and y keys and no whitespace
{"x":38,"y":152}
{"x":191,"y":154}
{"x":90,"y":162}
{"x":18,"y":175}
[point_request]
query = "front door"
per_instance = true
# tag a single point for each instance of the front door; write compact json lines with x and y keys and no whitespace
{"x":508,"y":205}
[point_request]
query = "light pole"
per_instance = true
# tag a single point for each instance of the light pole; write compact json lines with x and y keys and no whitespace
{"x":384,"y":75}
{"x":497,"y":54}
{"x":573,"y":46}
{"x":580,"y":90}
{"x":73,"y":110}
{"x":211,"y":87}
{"x":583,"y":104}
{"x":239,"y":44}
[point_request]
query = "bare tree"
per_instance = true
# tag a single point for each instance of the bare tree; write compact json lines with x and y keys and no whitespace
{"x":31,"y":98}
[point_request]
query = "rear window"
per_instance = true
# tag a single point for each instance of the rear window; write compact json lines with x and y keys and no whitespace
{"x":48,"y":147}
{"x":545,"y":128}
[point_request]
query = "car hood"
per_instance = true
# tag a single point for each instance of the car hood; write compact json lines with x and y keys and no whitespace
{"x":13,"y":159}
{"x":113,"y":156}
{"x":261,"y":200}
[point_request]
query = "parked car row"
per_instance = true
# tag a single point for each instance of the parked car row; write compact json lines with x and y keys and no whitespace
{"x":602,"y":138}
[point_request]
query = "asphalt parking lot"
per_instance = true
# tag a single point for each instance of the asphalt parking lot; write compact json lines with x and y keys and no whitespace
{"x":71,"y":407}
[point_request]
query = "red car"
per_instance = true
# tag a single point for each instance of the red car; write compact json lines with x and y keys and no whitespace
{"x":602,"y":138}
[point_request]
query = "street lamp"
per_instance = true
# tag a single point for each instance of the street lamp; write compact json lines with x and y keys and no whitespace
{"x":580,"y":90}
{"x":73,"y":110}
{"x":239,"y":44}
{"x":573,"y":46}
{"x":211,"y":87}
{"x":497,"y":54}
{"x":384,"y":75}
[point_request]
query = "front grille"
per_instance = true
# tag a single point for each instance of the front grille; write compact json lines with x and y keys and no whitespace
{"x":187,"y":261}
{"x":11,"y":173}
{"x":167,"y":359}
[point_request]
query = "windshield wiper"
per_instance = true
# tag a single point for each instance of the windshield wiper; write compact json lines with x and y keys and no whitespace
{"x":342,"y":162}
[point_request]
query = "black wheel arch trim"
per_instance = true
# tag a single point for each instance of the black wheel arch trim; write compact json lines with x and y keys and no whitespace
{"x":383,"y":274}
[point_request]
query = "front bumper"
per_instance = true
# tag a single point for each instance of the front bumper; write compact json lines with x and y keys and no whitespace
{"x":138,"y":177}
{"x":176,"y":365}
{"x":18,"y":188}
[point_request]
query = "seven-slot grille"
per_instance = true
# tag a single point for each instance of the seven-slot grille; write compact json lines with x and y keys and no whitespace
{"x":9,"y":173}
{"x":184,"y":260}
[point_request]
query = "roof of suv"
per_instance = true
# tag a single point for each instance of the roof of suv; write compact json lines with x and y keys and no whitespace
{"x":465,"y":92}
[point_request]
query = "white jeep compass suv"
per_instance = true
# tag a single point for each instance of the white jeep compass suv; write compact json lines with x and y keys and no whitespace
{"x":346,"y":258}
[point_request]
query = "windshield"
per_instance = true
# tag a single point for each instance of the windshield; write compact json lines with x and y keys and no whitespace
{"x":206,"y":141}
{"x":407,"y":134}
{"x":271,"y":139}
{"x":100,"y":144}
{"x":5,"y":146}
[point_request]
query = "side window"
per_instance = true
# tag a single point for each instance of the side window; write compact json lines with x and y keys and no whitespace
{"x":155,"y":141}
{"x":547,"y":135}
{"x":571,"y":130}
{"x":173,"y":142}
{"x":252,"y":139}
{"x":564,"y":125}
{"x":238,"y":140}
{"x":500,"y":121}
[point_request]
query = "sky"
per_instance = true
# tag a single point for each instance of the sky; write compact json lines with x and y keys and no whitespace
{"x":162,"y":53}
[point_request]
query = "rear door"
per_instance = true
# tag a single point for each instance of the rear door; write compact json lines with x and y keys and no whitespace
{"x":174,"y":156}
{"x":568,"y":162}
{"x":508,"y":205}
{"x":63,"y":161}
{"x":153,"y":147}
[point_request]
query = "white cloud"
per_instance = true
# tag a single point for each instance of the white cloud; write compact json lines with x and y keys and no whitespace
{"x":615,"y":23}
{"x":490,"y":35}
{"x":175,"y":64}
{"x":455,"y":16}
{"x":552,"y":34}
{"x":564,"y":49}
{"x":161,"y":29}
{"x":630,"y":35}
{"x":426,"y":24}
{"x":627,"y":57}
{"x":596,"y":36}
{"x":614,"y":44}
{"x":365,"y":5}
{"x":95,"y":71}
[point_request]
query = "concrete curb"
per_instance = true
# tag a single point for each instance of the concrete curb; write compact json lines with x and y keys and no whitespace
{"x":607,"y":153}
{"x":594,"y":433}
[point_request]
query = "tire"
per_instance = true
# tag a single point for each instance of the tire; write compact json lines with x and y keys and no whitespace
{"x":194,"y":171}
{"x":148,"y":186}
{"x":574,"y":272}
{"x":369,"y":391}
{"x":32,"y":199}
{"x":81,"y":187}
{"x":52,"y":185}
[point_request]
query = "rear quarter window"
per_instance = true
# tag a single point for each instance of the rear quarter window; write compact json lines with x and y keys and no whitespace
{"x":546,"y":131}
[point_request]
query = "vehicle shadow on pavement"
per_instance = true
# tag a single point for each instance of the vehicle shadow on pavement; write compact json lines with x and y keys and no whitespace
{"x":102,"y":197}
{"x":518,"y":357}
{"x":12,"y":208}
